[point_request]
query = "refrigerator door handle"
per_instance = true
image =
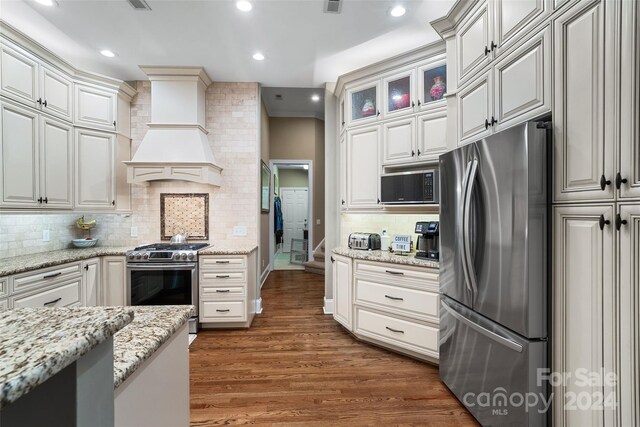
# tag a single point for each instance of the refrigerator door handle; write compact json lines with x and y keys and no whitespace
{"x":487,"y":333}
{"x":466,"y":218}
{"x":465,"y":269}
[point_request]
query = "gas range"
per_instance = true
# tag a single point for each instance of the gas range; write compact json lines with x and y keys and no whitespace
{"x":166,"y":252}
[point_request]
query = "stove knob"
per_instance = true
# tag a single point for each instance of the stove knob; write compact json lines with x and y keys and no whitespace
{"x":145,"y":256}
{"x":131,"y":256}
{"x":138,"y":256}
{"x":190,"y":256}
{"x":183,"y":256}
{"x":175,"y":256}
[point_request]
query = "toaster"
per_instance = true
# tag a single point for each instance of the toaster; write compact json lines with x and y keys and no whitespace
{"x":364,"y":241}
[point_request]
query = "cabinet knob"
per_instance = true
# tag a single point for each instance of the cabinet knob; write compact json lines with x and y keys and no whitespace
{"x":413,"y":153}
{"x":486,"y":124}
{"x":40,"y":200}
{"x":602,"y":222}
{"x":39,"y":101}
{"x":604,"y":182}
{"x":413,"y":104}
{"x":378,"y":113}
{"x":493,"y":45}
{"x":493,"y":121}
{"x":418,"y":152}
{"x":114,"y":123}
{"x":419,"y":103}
{"x":343,"y":202}
{"x":332,"y":260}
{"x":343,"y":123}
{"x":620,"y":222}
{"x":378,"y":200}
{"x":486,"y":51}
{"x":113,"y":202}
{"x":44,"y":103}
{"x":620,"y":180}
{"x":86,"y":267}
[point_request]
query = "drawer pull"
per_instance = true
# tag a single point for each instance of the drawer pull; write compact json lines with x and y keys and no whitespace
{"x":395,"y":330}
{"x":397,"y":273}
{"x":222,"y":276}
{"x":53,"y":302}
{"x":53,"y":275}
{"x":394,"y":298}
{"x":222,"y":262}
{"x":223,"y":311}
{"x":222,"y":291}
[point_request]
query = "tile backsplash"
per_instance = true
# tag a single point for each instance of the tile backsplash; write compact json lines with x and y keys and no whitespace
{"x":375,"y":223}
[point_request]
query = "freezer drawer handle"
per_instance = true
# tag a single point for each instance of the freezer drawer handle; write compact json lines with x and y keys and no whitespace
{"x":487,"y":333}
{"x":395,"y":330}
{"x":394,"y":298}
{"x":222,"y":276}
{"x":223,"y":311}
{"x":397,"y":273}
{"x":53,"y":302}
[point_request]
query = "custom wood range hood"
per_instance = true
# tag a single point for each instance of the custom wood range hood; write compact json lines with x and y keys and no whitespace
{"x":176,"y":146}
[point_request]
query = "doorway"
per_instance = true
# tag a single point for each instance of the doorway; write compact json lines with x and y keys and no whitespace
{"x":291,"y":233}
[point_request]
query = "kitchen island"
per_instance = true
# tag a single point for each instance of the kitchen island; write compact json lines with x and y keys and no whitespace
{"x":94,"y":366}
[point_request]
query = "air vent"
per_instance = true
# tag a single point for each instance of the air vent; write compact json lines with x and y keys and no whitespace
{"x":332,"y":6}
{"x":279,"y":97}
{"x":139,"y":4}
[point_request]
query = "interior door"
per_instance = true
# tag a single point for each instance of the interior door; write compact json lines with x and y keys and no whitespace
{"x":295,"y":211}
{"x":505,"y":228}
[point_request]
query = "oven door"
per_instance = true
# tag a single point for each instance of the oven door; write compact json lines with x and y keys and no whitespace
{"x":162,"y":284}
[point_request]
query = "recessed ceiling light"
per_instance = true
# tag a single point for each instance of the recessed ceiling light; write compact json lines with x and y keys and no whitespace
{"x":244,"y":5}
{"x":46,"y":2}
{"x":398,"y":11}
{"x":315,"y":98}
{"x":107,"y":53}
{"x":258,"y":56}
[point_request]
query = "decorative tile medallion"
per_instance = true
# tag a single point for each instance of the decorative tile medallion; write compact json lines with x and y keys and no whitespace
{"x":184,"y":213}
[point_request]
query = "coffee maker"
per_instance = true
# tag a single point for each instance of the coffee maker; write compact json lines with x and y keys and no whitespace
{"x":428,"y":245}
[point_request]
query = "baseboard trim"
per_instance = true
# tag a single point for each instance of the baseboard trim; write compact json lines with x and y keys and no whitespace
{"x":259,"y":306}
{"x":263,"y":277}
{"x":328,"y":306}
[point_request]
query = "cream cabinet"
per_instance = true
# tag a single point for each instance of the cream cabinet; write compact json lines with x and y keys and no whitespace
{"x":399,"y":91}
{"x":432,"y":135}
{"x":19,"y":72}
{"x":91,"y":289}
{"x":583,"y":309}
{"x":4,"y":287}
{"x":511,"y":19}
{"x":342,"y":162}
{"x":363,"y":168}
{"x":63,"y":294}
{"x":516,"y":88}
{"x":227,"y":290}
{"x":628,"y":178}
{"x":629,"y":282}
{"x":399,"y":141}
{"x":363,"y":103}
{"x":37,"y":154}
{"x":95,"y":169}
{"x":342,"y":290}
{"x":56,"y":93}
{"x":95,"y":107}
{"x":473,"y":42}
{"x":114,"y":280}
{"x":584,"y":99}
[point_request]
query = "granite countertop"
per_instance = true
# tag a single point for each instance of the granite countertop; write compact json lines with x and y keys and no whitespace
{"x":152,"y":326}
{"x":37,"y":343}
{"x":383,"y":256}
{"x":228,"y":250}
{"x":31,"y":262}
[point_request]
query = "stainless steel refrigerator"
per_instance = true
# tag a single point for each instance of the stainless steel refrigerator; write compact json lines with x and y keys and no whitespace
{"x":493,"y":275}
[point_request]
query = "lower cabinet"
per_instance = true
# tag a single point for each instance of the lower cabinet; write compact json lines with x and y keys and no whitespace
{"x":62,"y":294}
{"x":91,"y":282}
{"x":391,"y":305}
{"x":227,"y":290}
{"x":114,"y":280}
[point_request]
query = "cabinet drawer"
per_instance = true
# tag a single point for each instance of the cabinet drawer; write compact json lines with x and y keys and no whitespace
{"x":222,"y":277}
{"x":60,"y":296}
{"x":222,"y":263}
{"x":4,"y":286}
{"x":45,"y":277}
{"x":402,"y":333}
{"x":408,"y":302}
{"x":4,"y":305}
{"x":209,"y":292}
{"x":223,"y":311}
{"x":385,"y":271}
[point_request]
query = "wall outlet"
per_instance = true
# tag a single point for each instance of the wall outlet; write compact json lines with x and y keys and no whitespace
{"x":317,"y":222}
{"x":134,"y":231}
{"x":45,"y":236}
{"x":239,"y":230}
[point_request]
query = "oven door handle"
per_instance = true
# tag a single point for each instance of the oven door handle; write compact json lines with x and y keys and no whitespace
{"x":151,"y":266}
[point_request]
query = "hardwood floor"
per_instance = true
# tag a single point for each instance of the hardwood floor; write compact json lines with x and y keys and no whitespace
{"x":297,"y":366}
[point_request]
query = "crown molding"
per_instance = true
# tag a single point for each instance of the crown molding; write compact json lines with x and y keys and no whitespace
{"x":446,"y":25}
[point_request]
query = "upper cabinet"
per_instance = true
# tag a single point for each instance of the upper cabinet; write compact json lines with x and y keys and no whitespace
{"x":95,"y":108}
{"x":57,"y":93}
{"x":363,"y":168}
{"x":399,"y":92}
{"x":95,"y":183}
{"x":19,"y":71}
{"x":513,"y":18}
{"x":473,"y":42}
{"x":432,"y":84}
{"x":363,"y":103}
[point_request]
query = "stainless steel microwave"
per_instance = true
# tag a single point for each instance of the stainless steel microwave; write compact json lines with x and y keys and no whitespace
{"x":415,"y":187}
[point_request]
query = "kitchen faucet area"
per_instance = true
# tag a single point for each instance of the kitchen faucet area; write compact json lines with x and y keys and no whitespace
{"x":319,"y":213}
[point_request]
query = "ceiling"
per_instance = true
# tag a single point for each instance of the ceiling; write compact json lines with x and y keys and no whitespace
{"x":303,"y":46}
{"x":293,"y":102}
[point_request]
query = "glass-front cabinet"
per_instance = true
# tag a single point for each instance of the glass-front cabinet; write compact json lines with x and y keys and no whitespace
{"x":363,"y":103}
{"x":432,"y":84}
{"x":399,"y":92}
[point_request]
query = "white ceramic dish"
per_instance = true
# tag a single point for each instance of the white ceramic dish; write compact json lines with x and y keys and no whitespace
{"x":83,"y":243}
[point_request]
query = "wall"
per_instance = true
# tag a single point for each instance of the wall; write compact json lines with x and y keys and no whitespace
{"x":296,"y":138}
{"x":375,"y":223}
{"x":264,"y":216}
{"x":232,"y":124}
{"x":293,"y":178}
